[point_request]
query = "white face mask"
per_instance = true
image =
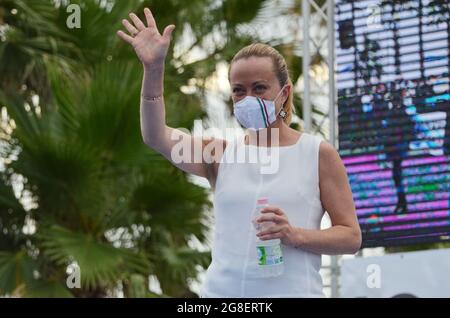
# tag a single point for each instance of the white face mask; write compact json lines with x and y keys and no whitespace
{"x":257,"y":113}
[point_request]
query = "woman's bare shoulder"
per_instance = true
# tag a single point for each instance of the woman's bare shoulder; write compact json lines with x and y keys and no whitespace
{"x":215,"y":148}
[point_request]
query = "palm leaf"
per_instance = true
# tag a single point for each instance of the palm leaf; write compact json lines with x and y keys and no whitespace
{"x":101,"y":264}
{"x":16,"y":269}
{"x":47,"y":289}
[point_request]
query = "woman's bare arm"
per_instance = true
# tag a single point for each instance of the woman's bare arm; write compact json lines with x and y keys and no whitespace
{"x":344,"y":236}
{"x":151,"y":48}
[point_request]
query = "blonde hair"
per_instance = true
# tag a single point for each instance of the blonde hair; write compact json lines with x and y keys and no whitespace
{"x":280,"y":69}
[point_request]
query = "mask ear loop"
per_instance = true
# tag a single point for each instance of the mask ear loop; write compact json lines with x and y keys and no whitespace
{"x":282,"y":113}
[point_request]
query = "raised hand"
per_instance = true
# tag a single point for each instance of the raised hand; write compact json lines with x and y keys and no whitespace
{"x":150,"y":46}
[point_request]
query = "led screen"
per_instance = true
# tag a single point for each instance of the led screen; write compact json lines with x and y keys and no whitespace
{"x":393,"y":114}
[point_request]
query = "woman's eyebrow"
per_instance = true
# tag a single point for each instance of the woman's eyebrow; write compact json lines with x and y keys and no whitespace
{"x":260,"y":82}
{"x":253,"y":84}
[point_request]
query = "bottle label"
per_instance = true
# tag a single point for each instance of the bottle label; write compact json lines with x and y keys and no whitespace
{"x":269,"y":255}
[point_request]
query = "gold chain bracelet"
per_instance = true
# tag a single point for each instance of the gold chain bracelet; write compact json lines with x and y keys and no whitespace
{"x":152,"y":99}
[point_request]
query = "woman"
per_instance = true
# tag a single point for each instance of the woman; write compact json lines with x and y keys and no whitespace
{"x":310,"y":178}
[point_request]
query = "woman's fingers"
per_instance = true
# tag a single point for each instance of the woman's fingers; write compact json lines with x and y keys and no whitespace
{"x":270,"y":231}
{"x":270,"y":218}
{"x":137,"y":22}
{"x":168,"y":31}
{"x":278,"y":235}
{"x":130,"y":28}
{"x":125,"y":37}
{"x":272,"y":209}
{"x":149,"y":17}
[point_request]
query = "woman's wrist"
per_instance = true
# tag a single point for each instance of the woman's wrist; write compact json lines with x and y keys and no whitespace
{"x":153,"y":85}
{"x":299,"y":237}
{"x":154,"y":68}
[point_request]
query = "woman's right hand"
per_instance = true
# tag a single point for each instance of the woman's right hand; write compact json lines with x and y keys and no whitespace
{"x":150,"y":46}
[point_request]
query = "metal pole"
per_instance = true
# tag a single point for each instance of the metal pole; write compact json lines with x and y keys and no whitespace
{"x":306,"y":64}
{"x":332,"y":119}
{"x":331,"y":73}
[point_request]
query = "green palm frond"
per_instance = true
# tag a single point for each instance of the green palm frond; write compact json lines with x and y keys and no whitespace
{"x":16,"y":269}
{"x":12,"y":216}
{"x":240,"y":11}
{"x":101,"y":265}
{"x":38,"y":35}
{"x":59,"y":173}
{"x":181,"y":216}
{"x":137,"y":286}
{"x":47,"y":289}
{"x":32,"y":37}
{"x":177,"y":265}
{"x":182,"y":261}
{"x":27,"y":122}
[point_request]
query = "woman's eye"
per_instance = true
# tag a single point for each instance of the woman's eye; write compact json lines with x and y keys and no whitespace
{"x":260,"y":88}
{"x":237,"y":90}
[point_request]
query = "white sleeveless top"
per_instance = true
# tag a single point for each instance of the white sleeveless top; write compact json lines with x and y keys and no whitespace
{"x":294,"y":188}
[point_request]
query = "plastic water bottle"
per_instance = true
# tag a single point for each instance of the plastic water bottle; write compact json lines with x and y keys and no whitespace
{"x":269,"y":253}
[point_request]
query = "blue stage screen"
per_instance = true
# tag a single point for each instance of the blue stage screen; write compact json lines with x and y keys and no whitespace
{"x":393,"y":63}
